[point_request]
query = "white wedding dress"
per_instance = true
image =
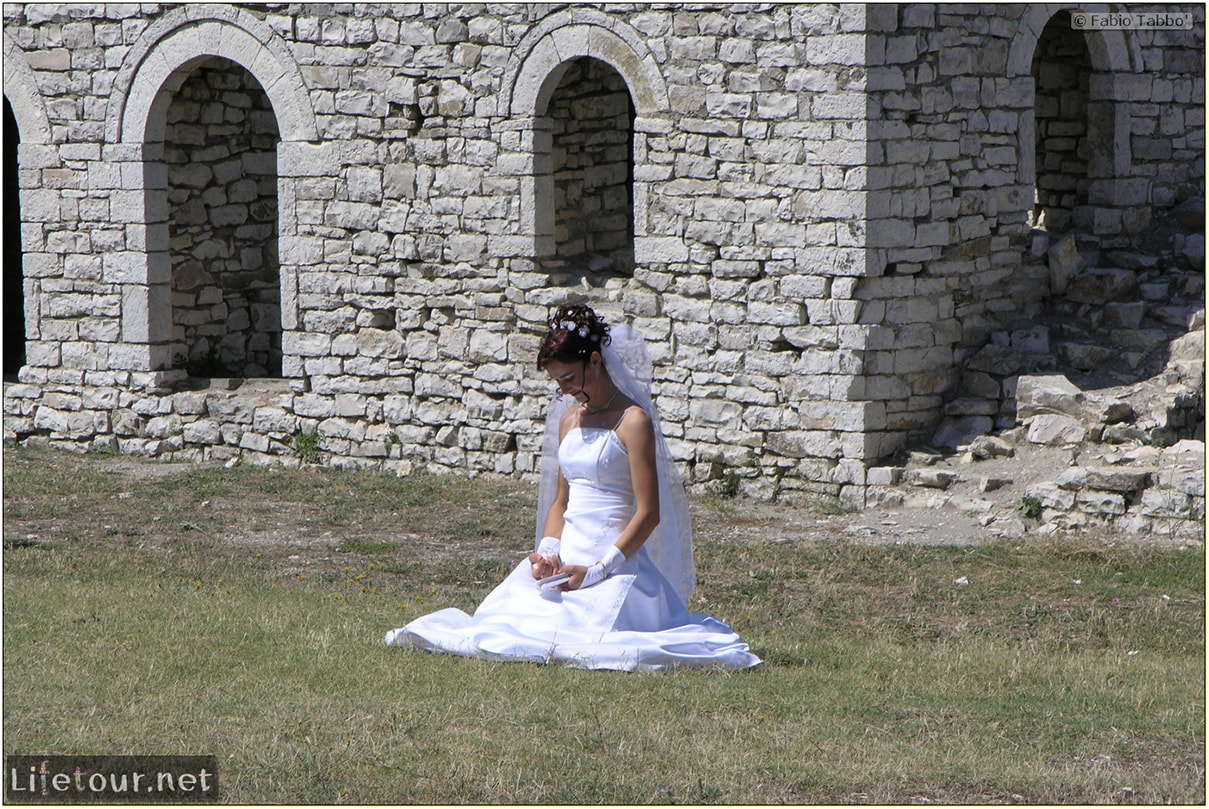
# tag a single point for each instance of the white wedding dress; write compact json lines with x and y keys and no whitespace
{"x":633,"y":620}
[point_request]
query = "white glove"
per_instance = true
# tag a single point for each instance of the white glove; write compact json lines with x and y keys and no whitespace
{"x":549,"y":547}
{"x":600,"y":571}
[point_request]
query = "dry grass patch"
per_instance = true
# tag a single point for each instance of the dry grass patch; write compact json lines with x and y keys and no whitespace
{"x":240,"y":613}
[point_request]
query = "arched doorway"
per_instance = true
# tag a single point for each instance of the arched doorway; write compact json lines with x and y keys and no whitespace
{"x":591,"y":116}
{"x":14,"y":279}
{"x":220,"y":148}
{"x":1061,"y":71}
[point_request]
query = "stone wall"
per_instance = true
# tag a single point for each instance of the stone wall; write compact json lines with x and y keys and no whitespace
{"x":1166,"y":124}
{"x":816,"y":213}
{"x":954,"y":179}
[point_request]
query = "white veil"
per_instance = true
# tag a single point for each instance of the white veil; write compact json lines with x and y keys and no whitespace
{"x":671,"y":545}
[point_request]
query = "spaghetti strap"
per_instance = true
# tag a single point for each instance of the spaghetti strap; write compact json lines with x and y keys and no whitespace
{"x":620,"y":419}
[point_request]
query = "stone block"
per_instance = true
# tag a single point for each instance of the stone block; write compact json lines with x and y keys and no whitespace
{"x":1055,"y":430}
{"x":1048,"y":394}
{"x":254,"y":442}
{"x":1051,"y":496}
{"x":1101,"y":285}
{"x":47,"y":419}
{"x":274,"y":420}
{"x":931,"y":478}
{"x":1100,"y":503}
{"x":53,"y":59}
{"x":1166,"y":503}
{"x":1087,"y":356}
{"x":311,"y":406}
{"x":1031,"y":341}
{"x":163,"y":427}
{"x":465,"y":247}
{"x":189,"y":403}
{"x":306,"y":344}
{"x":1111,"y":479}
{"x":997,"y":360}
{"x":961,"y":430}
{"x":204,"y":431}
{"x":660,"y":250}
{"x":1064,"y":262}
{"x":380,"y":343}
{"x":345,"y":429}
{"x":228,"y":408}
{"x":1127,"y":316}
{"x":487,"y":346}
{"x":777,"y":314}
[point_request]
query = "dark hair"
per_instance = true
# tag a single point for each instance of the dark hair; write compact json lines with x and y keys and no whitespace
{"x":575,"y":332}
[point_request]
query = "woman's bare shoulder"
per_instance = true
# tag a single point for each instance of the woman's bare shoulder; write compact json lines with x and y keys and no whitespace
{"x":570,"y":420}
{"x":634,"y":422}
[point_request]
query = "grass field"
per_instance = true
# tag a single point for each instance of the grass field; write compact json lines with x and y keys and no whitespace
{"x":154,"y":609}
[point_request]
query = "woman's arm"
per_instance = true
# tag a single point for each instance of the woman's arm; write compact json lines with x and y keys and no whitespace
{"x":638,"y":436}
{"x":543,"y":566}
{"x":558,"y":507}
{"x":554,"y":517}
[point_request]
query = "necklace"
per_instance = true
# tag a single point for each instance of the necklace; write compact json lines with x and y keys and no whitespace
{"x":594,"y":410}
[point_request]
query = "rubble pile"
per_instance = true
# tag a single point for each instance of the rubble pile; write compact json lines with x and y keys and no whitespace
{"x":1094,"y":417}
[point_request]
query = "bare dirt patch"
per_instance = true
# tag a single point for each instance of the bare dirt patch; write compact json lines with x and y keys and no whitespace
{"x":316,"y":520}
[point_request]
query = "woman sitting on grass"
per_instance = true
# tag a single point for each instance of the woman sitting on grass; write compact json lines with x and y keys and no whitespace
{"x":608,"y":585}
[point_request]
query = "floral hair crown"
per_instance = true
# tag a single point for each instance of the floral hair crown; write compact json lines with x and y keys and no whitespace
{"x":582,"y":331}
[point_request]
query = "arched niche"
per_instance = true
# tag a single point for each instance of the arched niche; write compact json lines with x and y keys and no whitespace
{"x":152,"y":73}
{"x":541,"y":61}
{"x":1112,"y":56}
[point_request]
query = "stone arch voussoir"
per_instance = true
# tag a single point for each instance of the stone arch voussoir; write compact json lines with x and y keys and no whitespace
{"x":542,"y":55}
{"x":21,"y":88}
{"x":1110,"y":50}
{"x":187,"y":34}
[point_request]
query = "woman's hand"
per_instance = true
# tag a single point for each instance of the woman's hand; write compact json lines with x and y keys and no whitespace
{"x":543,"y":566}
{"x":577,"y":577}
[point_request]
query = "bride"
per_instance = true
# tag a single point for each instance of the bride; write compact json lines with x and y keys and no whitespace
{"x":608,"y":584}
